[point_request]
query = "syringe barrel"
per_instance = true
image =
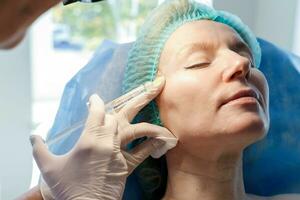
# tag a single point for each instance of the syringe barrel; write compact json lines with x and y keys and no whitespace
{"x":111,"y":107}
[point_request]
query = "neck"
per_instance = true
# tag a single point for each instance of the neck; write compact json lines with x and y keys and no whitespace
{"x":191,"y":177}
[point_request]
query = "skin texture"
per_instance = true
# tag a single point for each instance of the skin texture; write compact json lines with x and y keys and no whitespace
{"x":17,"y":16}
{"x":207,"y":162}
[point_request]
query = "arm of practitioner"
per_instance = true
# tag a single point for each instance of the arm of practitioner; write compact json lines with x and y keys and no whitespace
{"x":98,"y":165}
{"x":17,"y":16}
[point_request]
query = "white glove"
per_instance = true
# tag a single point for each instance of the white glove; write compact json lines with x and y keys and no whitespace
{"x":98,"y":165}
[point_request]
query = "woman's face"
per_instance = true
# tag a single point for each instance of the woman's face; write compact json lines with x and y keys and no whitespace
{"x":213,"y":94}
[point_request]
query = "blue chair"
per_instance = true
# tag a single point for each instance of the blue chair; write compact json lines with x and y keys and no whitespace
{"x":272,"y":165}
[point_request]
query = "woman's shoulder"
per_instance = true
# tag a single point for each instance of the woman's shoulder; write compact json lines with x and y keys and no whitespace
{"x":275,"y":197}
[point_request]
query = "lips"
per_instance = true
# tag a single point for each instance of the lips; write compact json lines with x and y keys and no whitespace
{"x":248,"y":92}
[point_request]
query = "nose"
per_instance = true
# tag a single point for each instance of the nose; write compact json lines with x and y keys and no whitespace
{"x":237,"y":67}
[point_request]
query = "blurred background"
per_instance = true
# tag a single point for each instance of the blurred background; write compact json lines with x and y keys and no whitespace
{"x":60,"y":42}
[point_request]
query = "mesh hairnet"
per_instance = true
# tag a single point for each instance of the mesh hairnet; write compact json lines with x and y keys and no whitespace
{"x":163,"y":21}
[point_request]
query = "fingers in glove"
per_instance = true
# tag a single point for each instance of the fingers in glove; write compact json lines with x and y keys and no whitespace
{"x":41,"y":154}
{"x":96,"y":137}
{"x":134,"y":131}
{"x":130,"y":110}
{"x":96,"y":111}
{"x":45,"y":190}
{"x":141,"y":152}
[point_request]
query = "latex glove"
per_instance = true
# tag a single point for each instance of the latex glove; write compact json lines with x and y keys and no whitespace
{"x":98,"y":165}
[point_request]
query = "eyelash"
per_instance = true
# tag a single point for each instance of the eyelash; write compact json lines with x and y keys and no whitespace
{"x":204,"y":64}
{"x":199,"y":65}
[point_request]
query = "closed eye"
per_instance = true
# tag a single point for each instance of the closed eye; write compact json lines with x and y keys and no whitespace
{"x":199,"y":65}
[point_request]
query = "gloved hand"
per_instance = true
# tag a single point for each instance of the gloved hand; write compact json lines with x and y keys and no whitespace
{"x":98,"y":165}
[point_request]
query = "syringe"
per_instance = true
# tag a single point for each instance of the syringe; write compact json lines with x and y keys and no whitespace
{"x":111,"y":107}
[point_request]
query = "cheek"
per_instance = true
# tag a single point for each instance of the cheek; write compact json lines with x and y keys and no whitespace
{"x":259,"y":81}
{"x":183,"y":104}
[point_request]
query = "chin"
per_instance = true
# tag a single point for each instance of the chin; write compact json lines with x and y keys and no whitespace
{"x":250,"y":126}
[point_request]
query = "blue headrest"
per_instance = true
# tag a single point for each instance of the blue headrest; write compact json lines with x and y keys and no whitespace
{"x":272,"y":166}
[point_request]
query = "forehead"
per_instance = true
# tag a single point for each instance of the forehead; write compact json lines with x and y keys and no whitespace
{"x":203,"y":31}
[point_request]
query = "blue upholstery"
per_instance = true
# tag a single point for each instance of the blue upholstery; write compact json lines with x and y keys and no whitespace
{"x":272,"y":166}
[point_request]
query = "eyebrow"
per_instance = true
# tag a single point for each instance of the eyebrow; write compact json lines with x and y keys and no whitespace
{"x":189,"y":48}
